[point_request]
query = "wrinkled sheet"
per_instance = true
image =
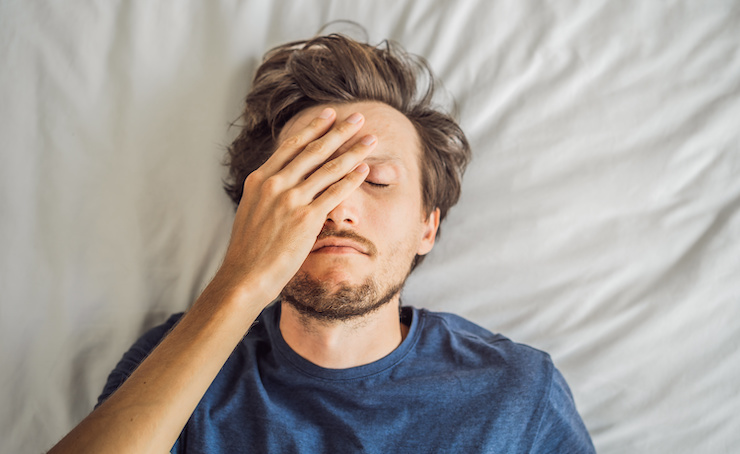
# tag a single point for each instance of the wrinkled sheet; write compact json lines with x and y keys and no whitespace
{"x":599,"y":220}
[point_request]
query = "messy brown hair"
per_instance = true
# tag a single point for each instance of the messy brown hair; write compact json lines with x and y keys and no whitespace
{"x":337,"y":69}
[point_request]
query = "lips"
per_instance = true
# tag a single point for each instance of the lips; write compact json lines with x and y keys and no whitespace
{"x":343,"y":241}
{"x":338,"y":245}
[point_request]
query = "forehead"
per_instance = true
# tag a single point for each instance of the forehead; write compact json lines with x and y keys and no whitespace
{"x":397,"y":137}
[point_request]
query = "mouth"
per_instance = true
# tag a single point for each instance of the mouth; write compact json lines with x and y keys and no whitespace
{"x":336,"y":250}
{"x":338,"y":246}
{"x":333,"y":241}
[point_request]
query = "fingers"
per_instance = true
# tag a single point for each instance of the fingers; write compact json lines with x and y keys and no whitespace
{"x":317,"y":152}
{"x":292,"y":146}
{"x":336,"y":193}
{"x":336,"y":169}
{"x":303,"y":164}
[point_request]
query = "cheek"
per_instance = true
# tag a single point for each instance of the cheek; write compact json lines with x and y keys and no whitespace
{"x":397,"y":227}
{"x":387,"y":211}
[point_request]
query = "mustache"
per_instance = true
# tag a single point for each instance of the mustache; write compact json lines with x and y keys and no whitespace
{"x":350,"y":235}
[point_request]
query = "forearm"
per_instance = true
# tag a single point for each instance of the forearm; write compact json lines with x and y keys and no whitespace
{"x":278,"y":219}
{"x":150,"y":409}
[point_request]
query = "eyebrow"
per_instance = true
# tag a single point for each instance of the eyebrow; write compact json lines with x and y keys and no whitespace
{"x":383,"y":158}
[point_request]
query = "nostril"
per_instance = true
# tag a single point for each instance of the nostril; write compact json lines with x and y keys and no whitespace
{"x":342,"y":214}
{"x":331,"y":219}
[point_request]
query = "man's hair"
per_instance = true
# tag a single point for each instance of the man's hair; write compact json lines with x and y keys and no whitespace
{"x":336,"y":69}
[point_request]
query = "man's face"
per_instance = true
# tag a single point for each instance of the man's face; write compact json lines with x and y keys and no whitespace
{"x":370,"y":239}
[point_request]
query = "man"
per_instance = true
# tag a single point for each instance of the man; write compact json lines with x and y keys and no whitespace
{"x":342,"y":174}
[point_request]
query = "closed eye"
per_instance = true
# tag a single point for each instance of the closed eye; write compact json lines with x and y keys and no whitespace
{"x":377,"y":185}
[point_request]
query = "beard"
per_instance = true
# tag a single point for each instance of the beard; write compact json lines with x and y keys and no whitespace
{"x":314,"y":299}
{"x":318,"y":300}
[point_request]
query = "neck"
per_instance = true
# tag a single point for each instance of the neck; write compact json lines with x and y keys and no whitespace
{"x":343,"y":344}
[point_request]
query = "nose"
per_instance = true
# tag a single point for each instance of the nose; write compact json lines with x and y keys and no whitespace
{"x":346,"y":214}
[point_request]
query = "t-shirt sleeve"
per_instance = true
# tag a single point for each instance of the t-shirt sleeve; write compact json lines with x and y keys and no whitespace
{"x":136,"y":354}
{"x":561,"y":427}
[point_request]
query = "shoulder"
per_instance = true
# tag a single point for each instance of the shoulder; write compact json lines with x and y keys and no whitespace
{"x":135,"y":355}
{"x":520,"y":379}
{"x":561,"y":428}
{"x":465,"y":341}
{"x":150,"y":339}
{"x":492,"y":366}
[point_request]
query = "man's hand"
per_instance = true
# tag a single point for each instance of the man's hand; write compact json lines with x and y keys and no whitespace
{"x":284,"y":206}
{"x":286,"y":202}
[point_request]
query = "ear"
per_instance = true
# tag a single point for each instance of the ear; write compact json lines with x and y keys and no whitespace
{"x":430,"y":226}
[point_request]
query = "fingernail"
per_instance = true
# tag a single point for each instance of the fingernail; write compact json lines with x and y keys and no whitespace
{"x":354,"y":118}
{"x":326,"y":114}
{"x":362,"y":168}
{"x":368,"y":140}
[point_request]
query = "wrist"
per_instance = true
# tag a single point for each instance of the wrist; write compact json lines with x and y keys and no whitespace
{"x":239,"y":290}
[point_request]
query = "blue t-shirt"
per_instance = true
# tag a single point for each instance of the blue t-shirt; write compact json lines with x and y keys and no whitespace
{"x":451,"y":386}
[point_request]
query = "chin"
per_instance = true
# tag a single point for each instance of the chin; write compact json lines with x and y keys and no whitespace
{"x":335,"y":276}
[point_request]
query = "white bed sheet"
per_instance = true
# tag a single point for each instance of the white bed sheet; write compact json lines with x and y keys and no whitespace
{"x":599,"y":220}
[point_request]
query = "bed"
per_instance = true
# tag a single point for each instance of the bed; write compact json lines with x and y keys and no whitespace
{"x":600,"y":216}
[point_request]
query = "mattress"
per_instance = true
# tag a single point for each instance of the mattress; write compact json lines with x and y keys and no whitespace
{"x":599,"y":220}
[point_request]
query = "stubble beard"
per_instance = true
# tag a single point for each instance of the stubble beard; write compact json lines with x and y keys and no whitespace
{"x":314,"y":299}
